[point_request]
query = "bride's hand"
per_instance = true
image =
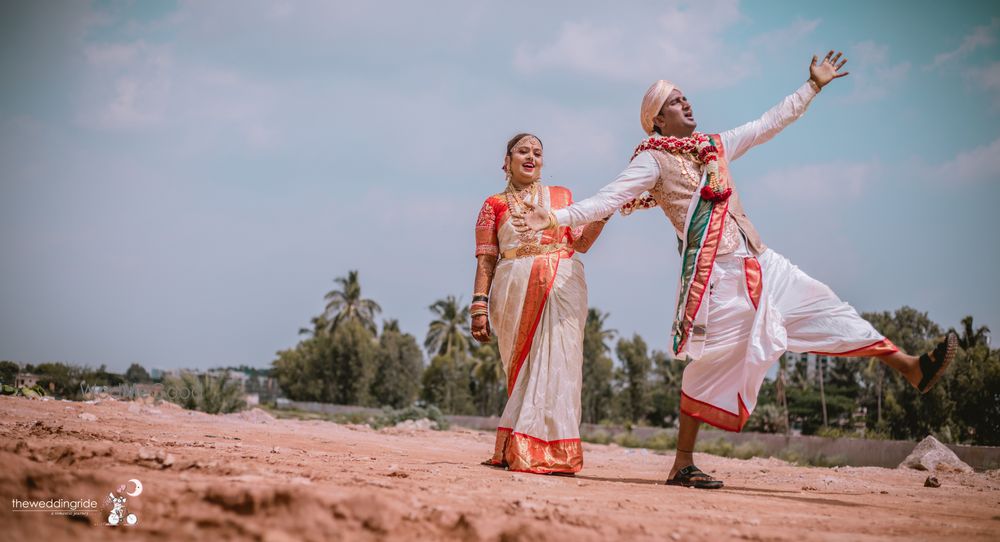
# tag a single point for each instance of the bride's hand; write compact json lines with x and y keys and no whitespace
{"x":481,"y":328}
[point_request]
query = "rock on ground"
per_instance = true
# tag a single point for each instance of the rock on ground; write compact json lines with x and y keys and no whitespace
{"x":931,"y":455}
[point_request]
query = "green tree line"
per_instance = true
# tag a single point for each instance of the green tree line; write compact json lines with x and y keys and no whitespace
{"x":344,"y":359}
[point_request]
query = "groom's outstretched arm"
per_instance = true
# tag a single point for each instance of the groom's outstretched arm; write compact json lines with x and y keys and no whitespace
{"x":741,"y":139}
{"x":638,"y":177}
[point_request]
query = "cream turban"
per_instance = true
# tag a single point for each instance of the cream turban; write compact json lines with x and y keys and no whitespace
{"x":653,"y":102}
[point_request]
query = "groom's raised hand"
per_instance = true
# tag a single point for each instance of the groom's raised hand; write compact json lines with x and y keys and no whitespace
{"x":823,"y":72}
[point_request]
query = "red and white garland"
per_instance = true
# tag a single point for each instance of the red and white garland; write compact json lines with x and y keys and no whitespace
{"x":701,"y":148}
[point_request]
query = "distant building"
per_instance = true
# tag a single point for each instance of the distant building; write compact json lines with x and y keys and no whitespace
{"x":809,"y":361}
{"x":25,"y":379}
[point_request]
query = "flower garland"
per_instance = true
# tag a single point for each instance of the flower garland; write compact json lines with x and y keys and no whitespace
{"x":701,"y":148}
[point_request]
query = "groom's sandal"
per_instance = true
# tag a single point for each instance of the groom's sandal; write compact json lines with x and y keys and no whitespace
{"x":934,"y":364}
{"x":692,"y":476}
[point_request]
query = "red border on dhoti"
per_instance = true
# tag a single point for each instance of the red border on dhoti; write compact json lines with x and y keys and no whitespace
{"x":883,"y":347}
{"x":713,"y":415}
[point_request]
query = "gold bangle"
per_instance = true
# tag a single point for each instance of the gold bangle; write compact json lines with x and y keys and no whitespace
{"x":553,"y":222}
{"x":815,"y":85}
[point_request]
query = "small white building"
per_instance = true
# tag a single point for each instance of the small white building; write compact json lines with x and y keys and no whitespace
{"x":25,"y":379}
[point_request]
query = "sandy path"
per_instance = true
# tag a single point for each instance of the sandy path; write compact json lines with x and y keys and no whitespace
{"x":251,"y":477}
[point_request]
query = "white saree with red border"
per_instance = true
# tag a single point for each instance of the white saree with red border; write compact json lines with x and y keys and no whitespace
{"x":538,"y":309}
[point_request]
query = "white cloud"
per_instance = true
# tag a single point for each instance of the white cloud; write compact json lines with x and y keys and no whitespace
{"x":113,"y":54}
{"x":834,"y":181}
{"x":981,"y":164}
{"x":837,"y":182}
{"x":873,"y":75}
{"x":981,"y":36}
{"x":128,"y":85}
{"x":783,"y":37}
{"x":674,"y":45}
{"x":987,"y":79}
{"x":142,"y":87}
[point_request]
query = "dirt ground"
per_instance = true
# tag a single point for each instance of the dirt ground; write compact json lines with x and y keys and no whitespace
{"x":249,"y":476}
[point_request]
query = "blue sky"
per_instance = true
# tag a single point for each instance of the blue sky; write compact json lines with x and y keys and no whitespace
{"x":182,"y":181}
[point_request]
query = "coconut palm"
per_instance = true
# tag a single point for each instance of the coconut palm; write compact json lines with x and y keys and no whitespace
{"x":779,"y":390}
{"x":876,"y":373}
{"x":598,"y":368}
{"x":487,"y":370}
{"x":320,"y":325}
{"x":449,"y":331}
{"x":595,"y":326}
{"x":971,"y":336}
{"x":347,"y":303}
{"x":821,"y":374}
{"x":390,"y":324}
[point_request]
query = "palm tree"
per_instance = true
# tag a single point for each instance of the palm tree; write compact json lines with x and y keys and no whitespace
{"x":820,"y":364}
{"x":595,"y":324}
{"x":597,"y":367}
{"x":488,"y":366}
{"x":877,"y":370}
{"x":347,"y":303}
{"x":450,"y":330}
{"x":487,"y":369}
{"x":391,"y":324}
{"x":970,"y":337}
{"x":320,"y":325}
{"x":779,"y":390}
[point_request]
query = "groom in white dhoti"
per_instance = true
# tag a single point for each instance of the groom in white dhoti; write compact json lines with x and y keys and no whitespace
{"x":740,"y":305}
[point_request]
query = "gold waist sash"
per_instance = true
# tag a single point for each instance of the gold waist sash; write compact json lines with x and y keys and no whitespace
{"x":532,"y":250}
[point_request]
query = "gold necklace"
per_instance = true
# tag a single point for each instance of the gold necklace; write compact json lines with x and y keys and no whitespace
{"x":532,"y":194}
{"x":695,"y":180}
{"x":517,"y":209}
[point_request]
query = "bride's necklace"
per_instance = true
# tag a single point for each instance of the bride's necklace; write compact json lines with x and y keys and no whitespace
{"x":515,"y":199}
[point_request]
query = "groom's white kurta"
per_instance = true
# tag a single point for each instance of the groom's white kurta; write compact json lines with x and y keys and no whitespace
{"x":757,"y":306}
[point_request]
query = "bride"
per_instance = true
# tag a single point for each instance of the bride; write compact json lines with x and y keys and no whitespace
{"x":530,"y":290}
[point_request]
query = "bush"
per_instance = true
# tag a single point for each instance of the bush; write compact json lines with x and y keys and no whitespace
{"x":207,"y":393}
{"x":662,"y":440}
{"x":31,"y":392}
{"x":750,"y":449}
{"x":390,"y":417}
{"x":724,"y":448}
{"x":597,"y":437}
{"x":627,"y":440}
{"x":794,"y":455}
{"x":719,"y":446}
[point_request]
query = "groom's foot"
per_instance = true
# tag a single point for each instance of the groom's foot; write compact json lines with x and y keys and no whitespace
{"x":933,"y":364}
{"x":692,"y":476}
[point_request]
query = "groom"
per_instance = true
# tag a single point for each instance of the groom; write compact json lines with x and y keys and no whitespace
{"x":740,"y":305}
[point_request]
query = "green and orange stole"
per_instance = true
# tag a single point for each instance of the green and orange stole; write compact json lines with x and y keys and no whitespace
{"x":701,"y":240}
